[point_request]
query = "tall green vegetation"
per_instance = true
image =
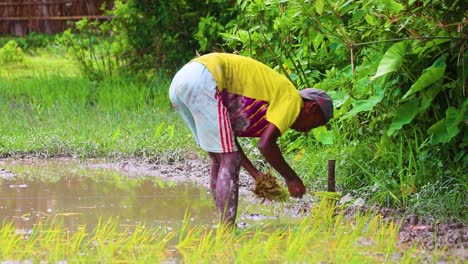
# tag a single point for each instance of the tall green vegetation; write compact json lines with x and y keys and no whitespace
{"x":49,"y":108}
{"x":143,"y":36}
{"x":388,"y":65}
{"x":396,"y":71}
{"x":56,"y":114}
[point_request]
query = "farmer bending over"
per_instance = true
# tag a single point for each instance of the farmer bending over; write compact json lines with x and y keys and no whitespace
{"x":224,"y":96}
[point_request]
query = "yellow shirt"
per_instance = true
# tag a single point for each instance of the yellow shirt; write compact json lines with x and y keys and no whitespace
{"x":253,"y":92}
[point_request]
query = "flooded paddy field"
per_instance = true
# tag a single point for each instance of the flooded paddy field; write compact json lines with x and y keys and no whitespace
{"x":85,"y":200}
{"x":78,"y":193}
{"x":84,"y":194}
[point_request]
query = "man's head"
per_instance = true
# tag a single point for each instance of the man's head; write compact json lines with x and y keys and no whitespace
{"x":316,"y":111}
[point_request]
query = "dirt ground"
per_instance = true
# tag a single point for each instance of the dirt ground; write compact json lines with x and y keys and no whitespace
{"x":428,"y":235}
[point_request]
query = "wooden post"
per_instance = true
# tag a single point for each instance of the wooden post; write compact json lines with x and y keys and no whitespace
{"x":331,"y":176}
{"x":44,"y":12}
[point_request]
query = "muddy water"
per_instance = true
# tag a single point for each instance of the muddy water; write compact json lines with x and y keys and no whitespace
{"x":78,"y":195}
{"x":81,"y":193}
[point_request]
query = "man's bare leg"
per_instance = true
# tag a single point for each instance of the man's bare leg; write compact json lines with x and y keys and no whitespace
{"x":227,"y":185}
{"x":214,"y":173}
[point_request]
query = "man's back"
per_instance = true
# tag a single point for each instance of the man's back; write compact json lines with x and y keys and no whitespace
{"x":253,"y":93}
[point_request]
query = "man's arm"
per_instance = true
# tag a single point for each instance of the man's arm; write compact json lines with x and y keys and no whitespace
{"x":272,"y":153}
{"x":247,"y":164}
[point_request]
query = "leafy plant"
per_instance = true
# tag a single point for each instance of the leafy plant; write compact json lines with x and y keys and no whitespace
{"x":145,"y":36}
{"x":93,"y":51}
{"x":30,"y":42}
{"x":11,"y":52}
{"x":395,"y":70}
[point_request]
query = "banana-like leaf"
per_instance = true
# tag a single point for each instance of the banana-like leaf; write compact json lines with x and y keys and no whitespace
{"x":429,"y":76}
{"x":447,"y":128}
{"x":391,"y":60}
{"x":428,"y":96}
{"x":365,"y":105}
{"x":323,"y":135}
{"x":404,"y":115}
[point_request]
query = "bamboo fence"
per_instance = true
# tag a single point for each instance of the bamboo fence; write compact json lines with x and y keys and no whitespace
{"x":22,"y":17}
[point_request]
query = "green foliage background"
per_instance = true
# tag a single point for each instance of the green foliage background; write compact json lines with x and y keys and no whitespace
{"x":143,"y":35}
{"x":396,"y":70}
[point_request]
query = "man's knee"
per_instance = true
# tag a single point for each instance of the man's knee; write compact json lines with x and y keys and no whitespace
{"x":232,"y":158}
{"x":214,"y":157}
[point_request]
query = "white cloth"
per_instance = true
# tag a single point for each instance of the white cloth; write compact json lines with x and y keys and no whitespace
{"x":194,"y":94}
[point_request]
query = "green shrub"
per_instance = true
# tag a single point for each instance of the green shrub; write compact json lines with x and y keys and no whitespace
{"x":395,"y":70}
{"x":11,"y":52}
{"x":32,"y":42}
{"x":145,"y":36}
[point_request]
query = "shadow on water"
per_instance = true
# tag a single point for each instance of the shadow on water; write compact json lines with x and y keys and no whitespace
{"x":77,"y":196}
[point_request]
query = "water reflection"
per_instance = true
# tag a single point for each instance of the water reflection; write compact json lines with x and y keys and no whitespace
{"x":81,"y":201}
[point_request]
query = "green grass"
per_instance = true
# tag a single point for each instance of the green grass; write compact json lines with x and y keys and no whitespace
{"x":51,"y":60}
{"x":325,"y":236}
{"x":61,"y":113}
{"x":396,"y":175}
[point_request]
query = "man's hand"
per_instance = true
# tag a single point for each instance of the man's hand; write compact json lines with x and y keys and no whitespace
{"x":296,"y":187}
{"x":271,"y":152}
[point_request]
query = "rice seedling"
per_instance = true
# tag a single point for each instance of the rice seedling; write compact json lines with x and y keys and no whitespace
{"x":50,"y":241}
{"x":326,"y":235}
{"x":329,"y":237}
{"x":268,"y":187}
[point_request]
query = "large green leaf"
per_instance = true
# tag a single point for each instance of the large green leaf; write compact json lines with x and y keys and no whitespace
{"x":428,"y":96}
{"x":323,"y":135}
{"x":338,"y":97}
{"x":393,"y":6}
{"x":318,"y":40}
{"x":366,"y":105}
{"x":447,"y":128}
{"x":319,"y":6}
{"x":392,"y":59}
{"x":429,"y":76}
{"x":404,"y":115}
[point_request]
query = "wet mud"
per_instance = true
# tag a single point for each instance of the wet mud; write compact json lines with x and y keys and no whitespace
{"x":426,"y":234}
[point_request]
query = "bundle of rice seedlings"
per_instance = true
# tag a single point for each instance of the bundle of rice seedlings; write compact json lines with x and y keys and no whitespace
{"x":267,"y":187}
